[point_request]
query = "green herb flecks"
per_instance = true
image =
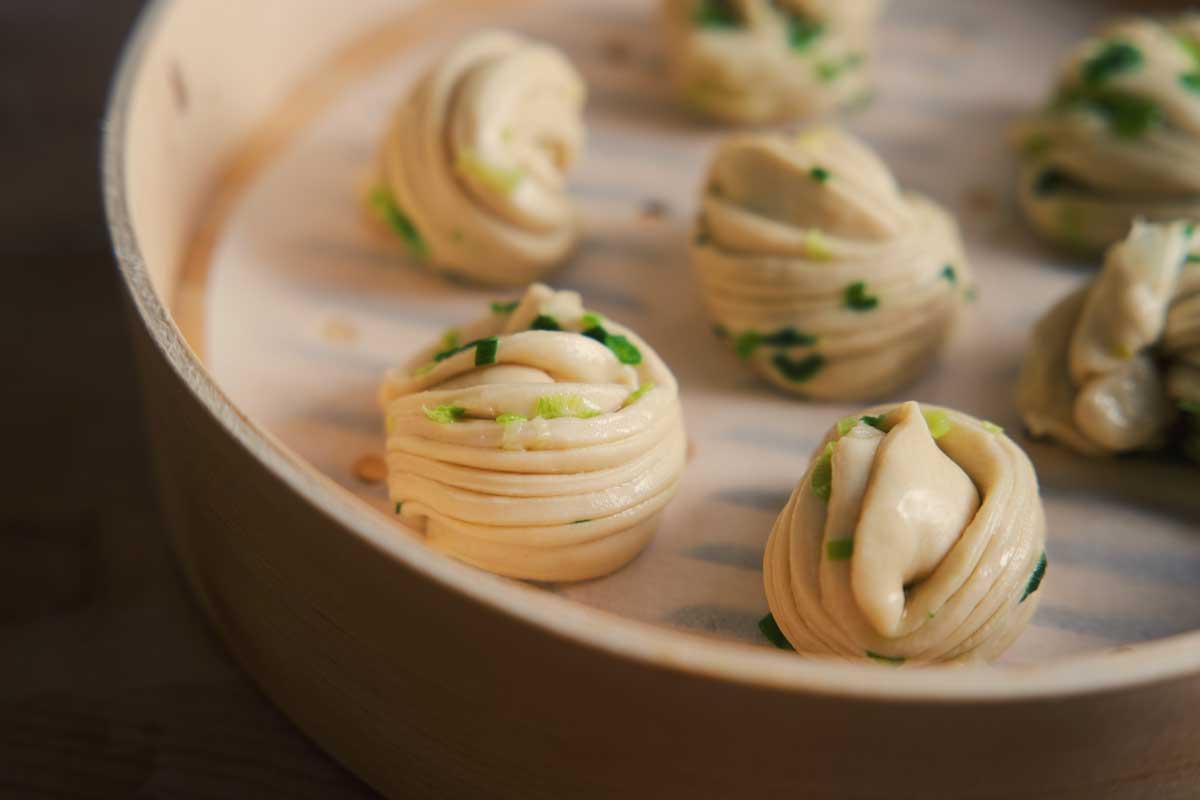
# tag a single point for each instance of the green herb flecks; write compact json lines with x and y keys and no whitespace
{"x":846,"y":424}
{"x":508,"y":419}
{"x":500,"y":179}
{"x":716,"y":14}
{"x":444,"y":415}
{"x":770,"y":629}
{"x":938,"y":422}
{"x":1035,"y":580}
{"x":625,"y":350}
{"x":501,"y":307}
{"x":490,"y":349}
{"x":1190,"y":81}
{"x":553,"y":406}
{"x":876,"y":422}
{"x":1128,"y":115}
{"x":891,"y":661}
{"x":383,"y":203}
{"x":839,"y":549}
{"x":637,"y":394}
{"x":746,"y":343}
{"x":822,"y":474}
{"x":485,"y":351}
{"x":830,"y":71}
{"x":819,"y":174}
{"x":789,"y":337}
{"x":800,"y":370}
{"x":545,"y":322}
{"x":856,"y":298}
{"x":1192,"y":46}
{"x":591,"y":319}
{"x":949,"y":274}
{"x":803,"y":31}
{"x":399,"y":506}
{"x":1112,"y":59}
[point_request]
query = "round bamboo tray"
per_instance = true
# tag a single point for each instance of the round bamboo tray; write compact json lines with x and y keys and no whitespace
{"x":429,"y":678}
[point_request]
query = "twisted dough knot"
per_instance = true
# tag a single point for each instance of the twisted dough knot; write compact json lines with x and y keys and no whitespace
{"x":912,"y":537}
{"x":543,"y":447}
{"x":473,"y":164}
{"x":1120,"y":138}
{"x":832,"y":282}
{"x":1115,"y":365}
{"x":757,"y":60}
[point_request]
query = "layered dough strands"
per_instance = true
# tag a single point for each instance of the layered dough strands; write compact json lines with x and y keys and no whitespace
{"x":758,"y":60}
{"x":541,"y":442}
{"x":1116,"y":365}
{"x":1120,"y":138}
{"x":915,"y":536}
{"x":473,"y":165}
{"x":832,"y":282}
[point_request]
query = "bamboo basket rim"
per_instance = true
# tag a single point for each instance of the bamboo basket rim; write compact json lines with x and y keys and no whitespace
{"x":653,"y":646}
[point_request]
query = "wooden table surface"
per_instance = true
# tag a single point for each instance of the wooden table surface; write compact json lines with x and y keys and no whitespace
{"x":111,"y":684}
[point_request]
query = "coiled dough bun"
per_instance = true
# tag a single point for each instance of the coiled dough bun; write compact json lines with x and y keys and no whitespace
{"x":758,"y":60}
{"x":473,"y":165}
{"x":832,"y":282}
{"x":540,"y":442}
{"x":1115,"y":366}
{"x":1120,"y":138}
{"x":916,"y":535}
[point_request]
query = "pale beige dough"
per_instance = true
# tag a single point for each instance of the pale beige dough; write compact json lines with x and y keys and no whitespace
{"x":476,"y":156}
{"x":1119,"y":138}
{"x":906,"y":548}
{"x":758,"y":60}
{"x":539,"y":497}
{"x":831,"y":281}
{"x":1113,"y":367}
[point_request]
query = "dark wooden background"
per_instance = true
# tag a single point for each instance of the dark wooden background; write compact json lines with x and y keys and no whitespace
{"x":111,"y":685}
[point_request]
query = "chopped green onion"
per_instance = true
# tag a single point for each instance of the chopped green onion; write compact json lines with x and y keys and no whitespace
{"x":789,"y":337}
{"x":892,"y":661}
{"x":950,"y":274}
{"x":816,"y":247}
{"x":505,"y":419}
{"x":444,"y":415}
{"x":746,"y":343}
{"x":846,"y":424}
{"x":637,"y":393}
{"x":384,"y":204}
{"x":798,"y":371}
{"x":590,"y":319}
{"x":500,"y":179}
{"x":500,"y":307}
{"x":857,"y":299}
{"x":839,"y":549}
{"x":553,"y":406}
{"x":1112,"y":59}
{"x":991,"y":427}
{"x":716,"y":14}
{"x":399,"y":505}
{"x":1190,"y":81}
{"x":1192,"y":258}
{"x":876,"y":422}
{"x":1129,"y":115}
{"x":822,"y":474}
{"x":544,"y":322}
{"x":625,"y":350}
{"x":932,"y":614}
{"x":803,"y":31}
{"x":770,"y":629}
{"x":1035,"y":580}
{"x":453,"y":351}
{"x":830,"y":71}
{"x":938,"y":422}
{"x":425,"y":369}
{"x":449,"y":339}
{"x":819,"y":174}
{"x":485,"y":351}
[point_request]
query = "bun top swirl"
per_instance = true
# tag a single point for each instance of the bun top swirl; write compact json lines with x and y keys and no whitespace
{"x":1120,"y":138}
{"x":474,"y":163}
{"x":757,"y":60}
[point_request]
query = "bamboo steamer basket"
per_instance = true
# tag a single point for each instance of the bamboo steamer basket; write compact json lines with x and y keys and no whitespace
{"x":428,"y":678}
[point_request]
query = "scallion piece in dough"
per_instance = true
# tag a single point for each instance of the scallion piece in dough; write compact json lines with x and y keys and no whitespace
{"x":819,"y":174}
{"x":553,"y":406}
{"x":716,"y":14}
{"x":950,"y":274}
{"x":1190,"y":81}
{"x":822,"y":474}
{"x":746,"y":343}
{"x":839,"y":549}
{"x":625,"y":350}
{"x":637,"y":393}
{"x":545,"y":322}
{"x":846,"y":424}
{"x":591,"y":319}
{"x":816,"y":247}
{"x":500,"y":179}
{"x":1035,"y":580}
{"x":1129,"y":115}
{"x":505,"y":419}
{"x":891,"y":661}
{"x":500,"y":307}
{"x":857,"y":299}
{"x":444,"y":415}
{"x":801,"y":370}
{"x":803,"y":31}
{"x":830,"y":71}
{"x":876,"y":422}
{"x":1112,"y":59}
{"x":991,"y":427}
{"x":770,"y":629}
{"x":938,"y":422}
{"x":399,"y":506}
{"x":485,"y":351}
{"x":384,"y":204}
{"x":789,"y":337}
